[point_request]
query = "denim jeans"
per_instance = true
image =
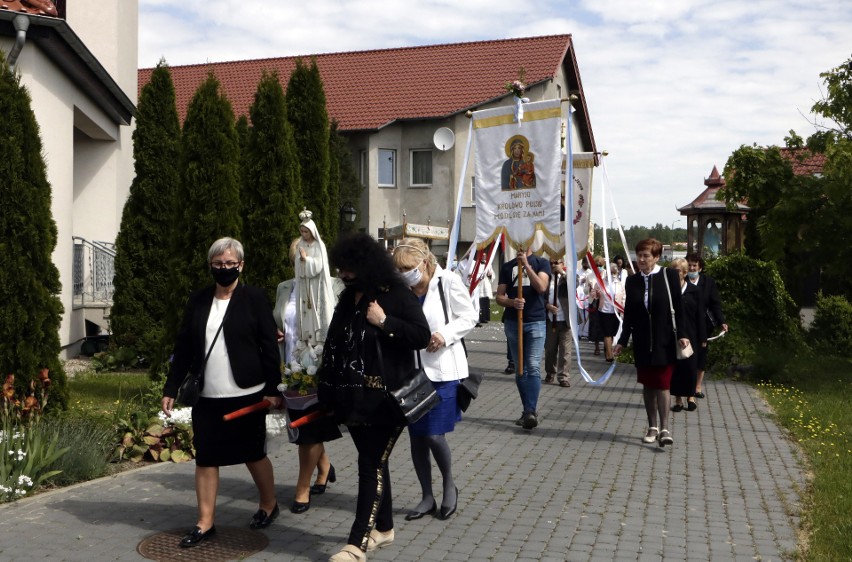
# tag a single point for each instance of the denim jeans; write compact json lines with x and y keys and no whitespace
{"x":529,"y":383}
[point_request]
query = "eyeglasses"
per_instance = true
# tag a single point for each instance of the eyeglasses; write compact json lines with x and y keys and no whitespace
{"x":224,"y":264}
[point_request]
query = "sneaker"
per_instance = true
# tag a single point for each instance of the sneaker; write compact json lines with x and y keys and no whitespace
{"x":651,"y":435}
{"x":350,"y":553}
{"x":529,"y":420}
{"x":510,"y":369}
{"x":519,"y":421}
{"x":378,"y":539}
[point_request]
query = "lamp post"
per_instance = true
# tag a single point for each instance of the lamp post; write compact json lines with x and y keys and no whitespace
{"x":672,"y":233}
{"x":348,"y":213}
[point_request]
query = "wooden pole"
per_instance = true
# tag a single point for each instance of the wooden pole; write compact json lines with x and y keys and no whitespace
{"x":520,"y":294}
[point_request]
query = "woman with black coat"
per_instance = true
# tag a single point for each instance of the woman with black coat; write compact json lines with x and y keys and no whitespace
{"x":648,"y":319}
{"x":686,"y":370}
{"x":228,"y":335}
{"x":376,"y":327}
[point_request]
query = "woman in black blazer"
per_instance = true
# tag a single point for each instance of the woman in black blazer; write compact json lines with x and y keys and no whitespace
{"x":686,"y":370}
{"x":242,"y":369}
{"x":647,"y":317}
{"x":376,"y":327}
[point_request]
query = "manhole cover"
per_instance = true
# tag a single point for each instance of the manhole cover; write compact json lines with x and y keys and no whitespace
{"x":229,"y":543}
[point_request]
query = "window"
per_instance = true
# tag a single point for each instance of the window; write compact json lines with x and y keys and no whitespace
{"x":387,"y":167}
{"x":473,"y":191}
{"x":421,"y":168}
{"x":364,"y":168}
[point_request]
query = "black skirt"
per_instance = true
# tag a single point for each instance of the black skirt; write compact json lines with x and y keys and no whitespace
{"x":223,"y":443}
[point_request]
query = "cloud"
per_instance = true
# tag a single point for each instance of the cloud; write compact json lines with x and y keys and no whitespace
{"x":672,"y":87}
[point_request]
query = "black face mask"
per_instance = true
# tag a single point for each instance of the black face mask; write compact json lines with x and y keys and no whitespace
{"x":355,"y":283}
{"x":225,"y":276}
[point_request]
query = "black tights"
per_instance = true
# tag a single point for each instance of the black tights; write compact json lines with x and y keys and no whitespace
{"x":440,"y":449}
{"x":657,"y":402}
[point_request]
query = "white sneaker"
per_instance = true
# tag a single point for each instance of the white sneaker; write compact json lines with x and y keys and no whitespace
{"x":651,"y":435}
{"x":378,"y":539}
{"x":350,"y":553}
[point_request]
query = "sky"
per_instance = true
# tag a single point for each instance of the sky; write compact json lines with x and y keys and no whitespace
{"x":673,"y":87}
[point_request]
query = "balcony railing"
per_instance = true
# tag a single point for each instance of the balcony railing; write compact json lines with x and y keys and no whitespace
{"x":93,"y":272}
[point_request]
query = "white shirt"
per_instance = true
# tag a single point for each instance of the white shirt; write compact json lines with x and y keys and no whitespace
{"x":218,"y":377}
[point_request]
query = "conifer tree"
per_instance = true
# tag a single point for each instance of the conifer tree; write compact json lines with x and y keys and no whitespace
{"x":306,"y":110}
{"x":143,"y":244}
{"x":31,"y":311}
{"x":344,"y":178}
{"x":272,"y":193}
{"x":207,"y":202}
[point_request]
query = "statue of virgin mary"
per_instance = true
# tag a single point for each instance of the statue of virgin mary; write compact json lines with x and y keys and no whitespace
{"x":315,"y":298}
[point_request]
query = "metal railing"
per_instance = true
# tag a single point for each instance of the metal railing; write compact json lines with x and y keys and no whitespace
{"x":93,"y":272}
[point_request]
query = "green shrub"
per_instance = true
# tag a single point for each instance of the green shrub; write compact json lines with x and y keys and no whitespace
{"x":89,"y":442}
{"x":117,"y":359}
{"x":831,"y":331}
{"x":760,"y":313}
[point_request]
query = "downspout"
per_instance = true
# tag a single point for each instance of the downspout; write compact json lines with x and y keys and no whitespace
{"x":22,"y":24}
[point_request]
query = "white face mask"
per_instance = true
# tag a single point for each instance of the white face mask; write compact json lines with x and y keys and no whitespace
{"x":413,"y":276}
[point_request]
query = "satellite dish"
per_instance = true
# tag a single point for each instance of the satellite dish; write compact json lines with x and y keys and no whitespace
{"x":444,"y":139}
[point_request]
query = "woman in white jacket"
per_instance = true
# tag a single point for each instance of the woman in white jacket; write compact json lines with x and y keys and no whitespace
{"x":444,"y":360}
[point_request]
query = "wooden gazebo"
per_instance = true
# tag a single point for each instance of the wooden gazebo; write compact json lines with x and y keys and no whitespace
{"x":712,"y":228}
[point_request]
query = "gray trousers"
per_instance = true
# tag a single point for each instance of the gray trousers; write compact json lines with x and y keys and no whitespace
{"x":557,"y":351}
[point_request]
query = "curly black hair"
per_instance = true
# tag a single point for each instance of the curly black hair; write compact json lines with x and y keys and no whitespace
{"x":361,"y":254}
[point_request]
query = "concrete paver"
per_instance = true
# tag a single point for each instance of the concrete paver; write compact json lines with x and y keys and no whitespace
{"x":581,"y":486}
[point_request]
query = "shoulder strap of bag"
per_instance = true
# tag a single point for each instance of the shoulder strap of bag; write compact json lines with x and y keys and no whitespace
{"x":446,"y":316}
{"x":671,"y":305}
{"x":210,"y":350}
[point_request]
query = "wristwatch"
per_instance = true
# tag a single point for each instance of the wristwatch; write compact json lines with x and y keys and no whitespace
{"x":382,"y":322}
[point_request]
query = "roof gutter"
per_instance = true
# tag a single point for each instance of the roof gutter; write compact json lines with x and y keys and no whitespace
{"x":22,"y":24}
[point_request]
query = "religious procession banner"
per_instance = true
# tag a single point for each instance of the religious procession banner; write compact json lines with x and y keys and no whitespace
{"x":519,"y":175}
{"x":581,"y":190}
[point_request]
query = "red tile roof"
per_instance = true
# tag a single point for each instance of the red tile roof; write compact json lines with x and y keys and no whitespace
{"x":366,"y":90}
{"x":37,"y":7}
{"x":803,"y":161}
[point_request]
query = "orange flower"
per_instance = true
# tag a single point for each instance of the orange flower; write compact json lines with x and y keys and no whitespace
{"x":9,"y":387}
{"x":45,"y":378}
{"x":30,"y":403}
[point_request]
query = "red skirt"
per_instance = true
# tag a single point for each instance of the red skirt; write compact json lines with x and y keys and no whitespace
{"x":655,"y":377}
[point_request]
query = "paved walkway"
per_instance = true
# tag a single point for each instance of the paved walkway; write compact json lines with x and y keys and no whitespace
{"x":581,"y":486}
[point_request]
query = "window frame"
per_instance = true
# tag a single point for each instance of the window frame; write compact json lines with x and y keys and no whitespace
{"x":394,"y":167}
{"x":411,"y":167}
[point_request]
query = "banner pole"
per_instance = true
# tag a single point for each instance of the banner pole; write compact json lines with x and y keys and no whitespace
{"x":520,"y":294}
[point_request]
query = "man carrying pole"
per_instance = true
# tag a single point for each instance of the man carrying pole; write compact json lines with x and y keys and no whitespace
{"x":522,"y":291}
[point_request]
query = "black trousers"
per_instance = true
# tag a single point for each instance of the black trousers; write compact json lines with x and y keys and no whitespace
{"x":375,"y":505}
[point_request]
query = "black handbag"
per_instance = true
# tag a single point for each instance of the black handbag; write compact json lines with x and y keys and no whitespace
{"x":468,"y":388}
{"x":190,"y":389}
{"x":411,"y":399}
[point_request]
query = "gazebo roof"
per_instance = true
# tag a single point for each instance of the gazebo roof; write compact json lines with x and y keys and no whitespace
{"x":706,"y":202}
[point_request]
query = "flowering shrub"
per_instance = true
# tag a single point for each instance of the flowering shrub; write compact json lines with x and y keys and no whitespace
{"x":27,"y":449}
{"x":157,"y":438}
{"x":301,"y":376}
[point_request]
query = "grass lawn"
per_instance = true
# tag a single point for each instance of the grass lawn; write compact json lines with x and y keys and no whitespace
{"x":811,"y":399}
{"x":103,"y":394}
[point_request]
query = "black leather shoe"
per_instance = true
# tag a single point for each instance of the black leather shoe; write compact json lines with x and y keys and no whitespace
{"x":260,"y":520}
{"x":318,"y":489}
{"x":446,"y":512}
{"x":414,"y":514}
{"x":195,"y":536}
{"x":299,"y":507}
